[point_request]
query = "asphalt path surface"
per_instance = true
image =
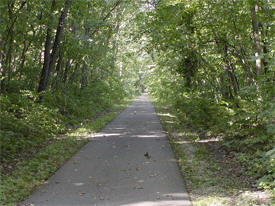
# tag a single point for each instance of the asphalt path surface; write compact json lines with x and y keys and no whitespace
{"x":129,"y":163}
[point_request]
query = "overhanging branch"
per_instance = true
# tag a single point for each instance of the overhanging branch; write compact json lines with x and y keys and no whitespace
{"x":108,"y":15}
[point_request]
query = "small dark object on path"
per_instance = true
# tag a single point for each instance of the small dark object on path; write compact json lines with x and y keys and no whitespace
{"x":147,"y":155}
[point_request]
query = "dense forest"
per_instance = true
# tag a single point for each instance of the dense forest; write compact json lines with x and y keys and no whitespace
{"x":215,"y":63}
{"x":58,"y":67}
{"x":65,"y":62}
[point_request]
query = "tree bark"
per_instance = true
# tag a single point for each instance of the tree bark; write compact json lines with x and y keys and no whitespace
{"x":84,"y":73}
{"x":58,"y":69}
{"x":50,"y":59}
{"x":45,"y":70}
{"x":67,"y":67}
{"x":84,"y":76}
{"x":6,"y":53}
{"x":255,"y":27}
{"x":264,"y":43}
{"x":73,"y":75}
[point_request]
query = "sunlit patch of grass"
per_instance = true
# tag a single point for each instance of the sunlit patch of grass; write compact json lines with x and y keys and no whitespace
{"x":18,"y":185}
{"x":89,"y":130}
{"x":188,"y":134}
{"x":167,"y":115}
{"x":211,"y":201}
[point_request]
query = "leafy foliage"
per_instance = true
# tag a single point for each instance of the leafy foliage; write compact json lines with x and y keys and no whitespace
{"x":63,"y":62}
{"x":59,"y":67}
{"x":213,"y":61}
{"x":32,"y":172}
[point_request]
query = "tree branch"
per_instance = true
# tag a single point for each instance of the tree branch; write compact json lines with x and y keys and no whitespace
{"x":108,"y":15}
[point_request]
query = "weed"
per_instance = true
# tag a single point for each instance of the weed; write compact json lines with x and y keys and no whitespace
{"x":30,"y":173}
{"x":207,"y":181}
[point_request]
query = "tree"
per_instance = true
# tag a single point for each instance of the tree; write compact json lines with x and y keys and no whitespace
{"x":50,"y":59}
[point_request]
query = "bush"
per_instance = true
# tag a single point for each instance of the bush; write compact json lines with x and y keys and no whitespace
{"x":28,"y":122}
{"x":244,"y":124}
{"x":25,"y":125}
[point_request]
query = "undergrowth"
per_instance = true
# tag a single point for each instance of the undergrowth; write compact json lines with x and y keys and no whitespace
{"x":32,"y":172}
{"x":39,"y":131}
{"x":28,"y":123}
{"x":244,"y":126}
{"x":209,"y":180}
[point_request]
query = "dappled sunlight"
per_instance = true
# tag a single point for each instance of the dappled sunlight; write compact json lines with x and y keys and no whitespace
{"x":187,"y":133}
{"x":67,"y":67}
{"x":106,"y":134}
{"x":172,"y":160}
{"x":166,"y":115}
{"x":184,"y":142}
{"x":119,"y":128}
{"x":169,"y":122}
{"x":177,"y":195}
{"x":243,"y":197}
{"x":129,"y":162}
{"x":82,"y":136}
{"x":81,"y":133}
{"x":261,"y":197}
{"x":208,"y":140}
{"x":212,"y":201}
{"x":154,"y":136}
{"x":78,"y":184}
{"x":126,"y":134}
{"x":160,"y":203}
{"x":199,"y":141}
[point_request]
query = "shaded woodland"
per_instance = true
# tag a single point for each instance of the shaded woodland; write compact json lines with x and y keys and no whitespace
{"x":63,"y":62}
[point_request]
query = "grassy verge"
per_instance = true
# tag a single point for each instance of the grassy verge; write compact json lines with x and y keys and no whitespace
{"x":209,"y":181}
{"x":19,"y":184}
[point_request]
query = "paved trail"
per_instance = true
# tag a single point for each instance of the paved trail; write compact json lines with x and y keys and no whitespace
{"x":129,"y":163}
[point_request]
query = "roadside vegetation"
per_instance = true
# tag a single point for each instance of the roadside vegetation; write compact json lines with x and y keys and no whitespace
{"x":212,"y":175}
{"x":209,"y":63}
{"x":60,"y":80}
{"x":42,"y":161}
{"x":213,"y":66}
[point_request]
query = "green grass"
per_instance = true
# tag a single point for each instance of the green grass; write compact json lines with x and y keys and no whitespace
{"x":33,"y":172}
{"x":206,"y":180}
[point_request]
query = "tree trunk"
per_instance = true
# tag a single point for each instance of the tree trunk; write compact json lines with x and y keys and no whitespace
{"x":7,"y":44}
{"x":73,"y":75}
{"x":265,"y":50}
{"x":84,"y":76}
{"x":50,"y":61}
{"x":45,"y":70}
{"x":84,"y":73}
{"x":255,"y":27}
{"x":230,"y":71}
{"x":58,"y":69}
{"x":67,"y":67}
